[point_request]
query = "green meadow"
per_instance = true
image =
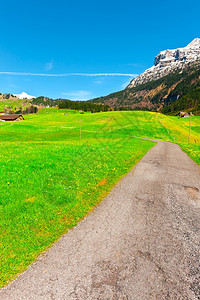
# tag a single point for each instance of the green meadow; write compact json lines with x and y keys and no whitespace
{"x":57,"y":165}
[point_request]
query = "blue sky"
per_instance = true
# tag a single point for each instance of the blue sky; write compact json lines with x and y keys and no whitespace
{"x":87,"y":37}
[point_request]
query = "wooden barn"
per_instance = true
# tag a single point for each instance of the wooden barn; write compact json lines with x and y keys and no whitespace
{"x":11,"y":117}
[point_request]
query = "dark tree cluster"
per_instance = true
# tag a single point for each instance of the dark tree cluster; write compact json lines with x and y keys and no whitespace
{"x":83,"y":106}
{"x":189,"y":102}
{"x":28,"y":110}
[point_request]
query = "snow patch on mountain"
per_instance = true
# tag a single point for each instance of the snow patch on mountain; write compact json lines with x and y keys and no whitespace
{"x":169,"y":61}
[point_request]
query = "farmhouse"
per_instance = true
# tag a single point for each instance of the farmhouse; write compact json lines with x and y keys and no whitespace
{"x":185,"y":115}
{"x":11,"y":117}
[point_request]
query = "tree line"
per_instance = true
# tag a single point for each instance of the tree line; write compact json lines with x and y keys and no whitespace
{"x":83,"y":106}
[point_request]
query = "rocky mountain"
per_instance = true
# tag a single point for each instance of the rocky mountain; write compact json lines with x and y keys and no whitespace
{"x":24,"y":96}
{"x":170,"y":61}
{"x":4,"y":97}
{"x":172,"y":84}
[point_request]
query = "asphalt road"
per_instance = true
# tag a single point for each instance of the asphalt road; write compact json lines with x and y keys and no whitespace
{"x":142,"y":242}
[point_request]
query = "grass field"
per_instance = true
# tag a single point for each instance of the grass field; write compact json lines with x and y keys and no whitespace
{"x":55,"y":168}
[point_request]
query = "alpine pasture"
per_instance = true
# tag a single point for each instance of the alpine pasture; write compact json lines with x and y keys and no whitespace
{"x":57,"y":165}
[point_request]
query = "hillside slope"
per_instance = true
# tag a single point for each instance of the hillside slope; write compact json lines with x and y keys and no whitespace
{"x":169,"y":94}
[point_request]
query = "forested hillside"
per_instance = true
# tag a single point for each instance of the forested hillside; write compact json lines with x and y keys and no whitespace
{"x":169,"y":94}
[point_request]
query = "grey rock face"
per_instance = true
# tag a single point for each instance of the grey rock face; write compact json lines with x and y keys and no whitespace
{"x":169,"y":61}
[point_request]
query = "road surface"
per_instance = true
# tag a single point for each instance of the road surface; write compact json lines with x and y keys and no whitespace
{"x":141,"y":243}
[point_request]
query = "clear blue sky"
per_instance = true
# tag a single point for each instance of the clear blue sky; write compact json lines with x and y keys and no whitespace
{"x":93,"y":37}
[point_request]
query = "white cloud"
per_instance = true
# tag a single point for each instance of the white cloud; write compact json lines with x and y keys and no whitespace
{"x":49,"y":66}
{"x":13,"y":86}
{"x":78,"y":95}
{"x":99,"y":80}
{"x":68,"y":74}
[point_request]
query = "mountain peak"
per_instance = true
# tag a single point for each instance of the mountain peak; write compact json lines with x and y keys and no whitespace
{"x":24,"y":95}
{"x":169,"y":61}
